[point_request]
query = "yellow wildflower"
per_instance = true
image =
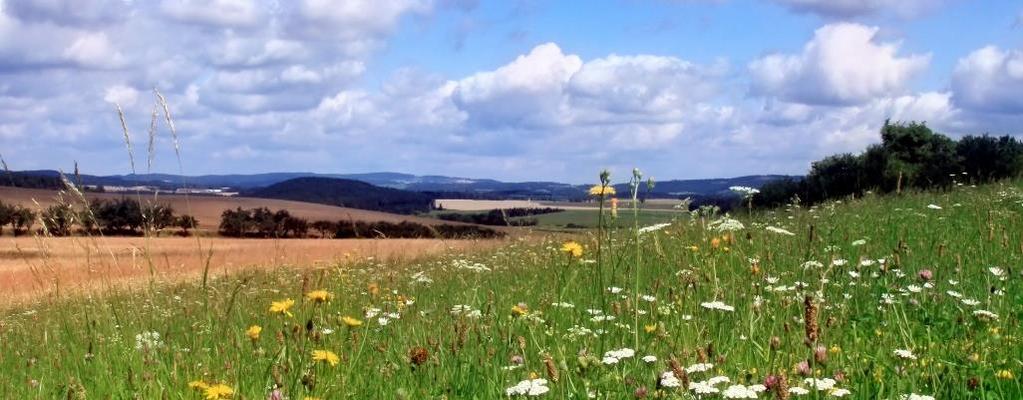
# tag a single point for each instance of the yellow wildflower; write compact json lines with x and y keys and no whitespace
{"x":282,"y":307}
{"x":602,"y":191}
{"x":519,"y":310}
{"x":351,"y":322}
{"x":835,"y":349}
{"x":614,"y":207}
{"x":572,"y":248}
{"x":198,"y":385}
{"x":650,"y":328}
{"x":318,"y":296}
{"x":715,"y":243}
{"x":326,"y":356}
{"x":253,"y":332}
{"x":694,"y":248}
{"x":218,"y":391}
{"x":1004,"y":374}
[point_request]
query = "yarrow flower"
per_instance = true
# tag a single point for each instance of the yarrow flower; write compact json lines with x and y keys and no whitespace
{"x":904,"y":354}
{"x":744,"y":191}
{"x":717,"y":305}
{"x":914,"y":396}
{"x":726,"y":224}
{"x":613,"y":356}
{"x":529,"y":387}
{"x":985,"y":314}
{"x":699,"y":367}
{"x":779,"y":231}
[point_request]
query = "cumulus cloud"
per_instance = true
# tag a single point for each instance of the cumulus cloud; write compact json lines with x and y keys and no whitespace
{"x":94,"y":50}
{"x":860,"y":8}
{"x":843,"y":64}
{"x":990,"y":80}
{"x":121,"y":95}
{"x":218,"y":13}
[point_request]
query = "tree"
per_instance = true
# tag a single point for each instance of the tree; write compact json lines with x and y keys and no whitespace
{"x":58,"y":218}
{"x":325,"y":228}
{"x":235,"y":223}
{"x":22,"y":219}
{"x":6,"y":215}
{"x":157,"y":216}
{"x":186,"y":222}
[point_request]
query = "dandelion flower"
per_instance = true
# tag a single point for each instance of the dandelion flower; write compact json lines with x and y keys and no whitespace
{"x":572,"y":248}
{"x":1004,"y":374}
{"x":253,"y":332}
{"x":282,"y":307}
{"x":519,"y":310}
{"x":218,"y":391}
{"x":318,"y":296}
{"x":198,"y":385}
{"x":326,"y":356}
{"x":351,"y":322}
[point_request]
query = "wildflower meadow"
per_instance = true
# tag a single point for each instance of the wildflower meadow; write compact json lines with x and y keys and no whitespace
{"x":914,"y":296}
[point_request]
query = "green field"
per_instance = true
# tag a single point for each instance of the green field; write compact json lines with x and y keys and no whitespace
{"x":875,"y":298}
{"x":588,"y":219}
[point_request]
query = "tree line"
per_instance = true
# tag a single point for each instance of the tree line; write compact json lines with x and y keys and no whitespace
{"x":910,"y":155}
{"x":265,"y":223}
{"x":121,"y":217}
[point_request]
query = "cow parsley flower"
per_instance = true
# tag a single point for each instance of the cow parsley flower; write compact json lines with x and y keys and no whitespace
{"x":613,"y":356}
{"x":779,"y":231}
{"x":985,"y":314}
{"x":905,"y":354}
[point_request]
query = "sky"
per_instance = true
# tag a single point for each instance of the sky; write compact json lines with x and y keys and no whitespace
{"x":517,"y":90}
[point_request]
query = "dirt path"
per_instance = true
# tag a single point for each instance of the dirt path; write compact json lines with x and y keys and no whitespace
{"x":32,"y":267}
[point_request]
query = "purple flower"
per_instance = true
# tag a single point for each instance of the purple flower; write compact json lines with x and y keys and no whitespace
{"x":926,"y":275}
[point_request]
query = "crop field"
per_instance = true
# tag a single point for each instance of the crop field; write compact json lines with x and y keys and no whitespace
{"x":874,"y":298}
{"x":31,"y":268}
{"x":588,"y":218}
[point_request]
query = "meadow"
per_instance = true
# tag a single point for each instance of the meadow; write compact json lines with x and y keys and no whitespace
{"x":915,"y":296}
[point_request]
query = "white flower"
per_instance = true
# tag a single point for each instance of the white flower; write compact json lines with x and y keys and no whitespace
{"x":820,"y":384}
{"x":798,"y":391}
{"x":148,"y":341}
{"x":744,"y":191}
{"x":652,"y":228}
{"x":914,"y":288}
{"x":812,"y":264}
{"x":738,"y":392}
{"x":954,"y":294}
{"x":971,"y":302}
{"x":914,"y":396}
{"x":383,"y":321}
{"x":779,"y":231}
{"x":854,"y":274}
{"x":934,"y":206}
{"x":718,"y":380}
{"x":563,"y":305}
{"x":717,"y":305}
{"x":613,"y":356}
{"x":615,"y":289}
{"x":838,"y":262}
{"x":840,"y":392}
{"x":648,"y":298}
{"x":668,"y":379}
{"x":859,"y":242}
{"x":372,"y":312}
{"x":985,"y":314}
{"x":905,"y":354}
{"x":692,"y":369}
{"x":464,"y":310}
{"x":998,"y":272}
{"x":703,"y":387}
{"x":649,"y":359}
{"x":529,"y":387}
{"x":726,"y":224}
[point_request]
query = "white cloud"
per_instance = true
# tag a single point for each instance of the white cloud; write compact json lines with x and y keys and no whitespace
{"x":355,"y":19}
{"x":859,"y":8}
{"x":990,"y":80}
{"x":94,"y":50}
{"x":125,"y":96}
{"x":220,"y":13}
{"x":842,"y":64}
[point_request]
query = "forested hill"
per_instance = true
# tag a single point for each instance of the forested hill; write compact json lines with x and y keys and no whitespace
{"x":346,"y":193}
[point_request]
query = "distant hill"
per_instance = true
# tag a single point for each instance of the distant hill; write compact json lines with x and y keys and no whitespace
{"x":433,"y":185}
{"x":346,"y":193}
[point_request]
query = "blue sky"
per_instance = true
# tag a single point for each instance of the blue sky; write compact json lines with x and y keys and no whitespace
{"x":513,"y":90}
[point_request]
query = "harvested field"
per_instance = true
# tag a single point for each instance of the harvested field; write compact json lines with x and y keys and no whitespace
{"x":31,"y":267}
{"x":207,"y":209}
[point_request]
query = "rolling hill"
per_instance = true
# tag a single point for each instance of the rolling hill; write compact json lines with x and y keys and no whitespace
{"x":347,"y":193}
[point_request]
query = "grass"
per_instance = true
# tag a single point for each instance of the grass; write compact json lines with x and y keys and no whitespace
{"x":472,"y":326}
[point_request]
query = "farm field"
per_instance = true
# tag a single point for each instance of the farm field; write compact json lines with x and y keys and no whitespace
{"x":31,"y":268}
{"x":207,"y":209}
{"x":588,"y":218}
{"x":874,"y":298}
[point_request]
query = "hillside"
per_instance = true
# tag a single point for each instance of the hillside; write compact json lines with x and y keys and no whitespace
{"x":346,"y":193}
{"x":207,"y":209}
